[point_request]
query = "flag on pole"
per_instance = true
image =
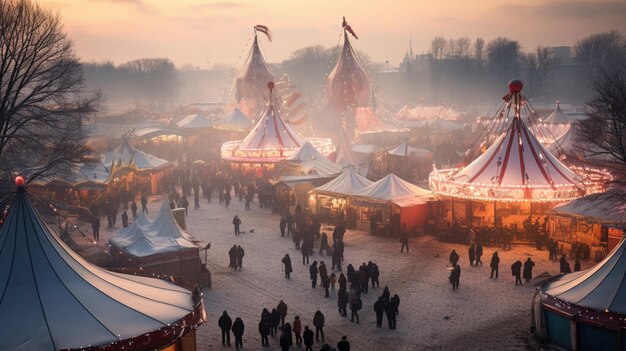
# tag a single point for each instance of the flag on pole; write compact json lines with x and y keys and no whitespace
{"x":347,"y":27}
{"x":265,"y":30}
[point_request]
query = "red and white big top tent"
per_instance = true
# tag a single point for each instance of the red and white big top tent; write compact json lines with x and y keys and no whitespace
{"x":52,"y":299}
{"x":515,"y":178}
{"x":250,"y":92}
{"x":271,"y":140}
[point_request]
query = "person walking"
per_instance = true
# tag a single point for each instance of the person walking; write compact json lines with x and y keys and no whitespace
{"x":133,"y":208}
{"x":392,"y":311}
{"x":404,"y":239}
{"x":343,"y":282}
{"x":343,"y":345}
{"x":225,"y":323}
{"x":563,"y":264}
{"x":144,"y":204}
{"x":495,"y":264}
{"x":307,"y":337}
{"x":355,"y":305}
{"x":375,"y":275}
{"x":185,"y":204}
{"x":232,"y":256}
{"x":237,"y":329}
{"x":576,"y":265}
{"x":516,"y":271}
{"x":283,"y":225}
{"x":95,"y":225}
{"x":454,"y":258}
{"x":287,"y":263}
{"x":342,"y":302}
{"x":286,"y":339}
{"x":528,"y":270}
{"x":297,"y":329}
{"x":379,"y":308}
{"x":240,"y":254}
{"x":274,"y":322}
{"x":479,"y":253}
{"x":326,"y":284}
{"x":125,"y":219}
{"x":333,"y":281}
{"x":455,"y":277}
{"x":196,"y":202}
{"x":236,"y":223}
{"x":281,"y":308}
{"x":305,"y":251}
{"x":264,"y":330}
{"x":318,"y":322}
{"x":472,"y":254}
{"x":313,"y":272}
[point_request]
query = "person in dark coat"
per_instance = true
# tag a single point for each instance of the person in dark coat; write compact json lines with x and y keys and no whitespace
{"x":342,"y":302}
{"x":455,"y":277}
{"x":237,"y":329}
{"x":495,"y":264}
{"x":264,"y":330}
{"x":516,"y":271}
{"x":307,"y":337}
{"x":350,"y":272}
{"x":479,"y":253}
{"x":322,"y":269}
{"x":232,"y":255}
{"x":236,"y":223}
{"x":286,"y":339}
{"x":274,"y":321}
{"x":95,"y":225}
{"x":323,"y":244}
{"x":318,"y":322}
{"x":472,"y":254}
{"x":196,"y":202}
{"x":225,"y":323}
{"x":355,"y":305}
{"x":185,"y":204}
{"x":392,"y":311}
{"x":379,"y":308}
{"x":404,"y":239}
{"x":283,"y":225}
{"x":240,"y":254}
{"x":562,"y":264}
{"x":326,"y":284}
{"x":287,"y":263}
{"x":282,"y":311}
{"x":454,"y":258}
{"x":297,"y":330}
{"x":133,"y":209}
{"x":125,"y":219}
{"x":386,"y":295}
{"x":375,"y":275}
{"x":144,"y":203}
{"x":528,"y":269}
{"x":396,"y":299}
{"x":576,"y":265}
{"x":305,"y":251}
{"x":313,"y":273}
{"x":343,"y":282}
{"x":343,"y":345}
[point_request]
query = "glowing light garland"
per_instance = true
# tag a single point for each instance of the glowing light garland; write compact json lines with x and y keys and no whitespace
{"x":232,"y":151}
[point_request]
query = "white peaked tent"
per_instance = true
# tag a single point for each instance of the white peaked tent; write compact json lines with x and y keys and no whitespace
{"x":145,"y":237}
{"x":349,"y":182}
{"x":126,"y":155}
{"x":405,"y":150}
{"x":393,"y":189}
{"x":272,"y":133}
{"x":234,"y":121}
{"x":51,"y":298}
{"x":585,"y":310}
{"x":566,"y":143}
{"x":312,"y":161}
{"x":196,"y":121}
{"x":558,"y":116}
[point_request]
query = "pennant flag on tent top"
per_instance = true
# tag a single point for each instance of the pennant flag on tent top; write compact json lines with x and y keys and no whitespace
{"x":265,"y":30}
{"x":345,"y":25}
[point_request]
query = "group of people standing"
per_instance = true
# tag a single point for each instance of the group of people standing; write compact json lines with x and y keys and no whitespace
{"x":235,"y":255}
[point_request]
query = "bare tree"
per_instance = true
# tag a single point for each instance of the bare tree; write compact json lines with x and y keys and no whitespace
{"x":463,"y":45}
{"x":452,"y":48}
{"x":503,"y":58}
{"x":154,"y":78}
{"x":479,"y":50}
{"x":437,"y":49}
{"x":601,"y":52}
{"x":42,"y":101}
{"x":602,"y":137}
{"x":537,"y":65}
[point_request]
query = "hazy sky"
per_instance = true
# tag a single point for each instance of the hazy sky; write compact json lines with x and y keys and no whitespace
{"x":207,"y":32}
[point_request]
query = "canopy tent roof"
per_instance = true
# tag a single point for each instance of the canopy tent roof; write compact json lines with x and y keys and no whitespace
{"x":196,"y":121}
{"x":516,"y":158}
{"x":145,"y":237}
{"x":312,"y":161}
{"x":125,"y":155}
{"x":155,"y":131}
{"x":601,"y":288}
{"x":405,"y":150}
{"x":250,"y":84}
{"x":348,"y":85}
{"x":396,"y":190}
{"x":234,"y":121}
{"x":365,"y":148}
{"x":436,"y":124}
{"x":565,"y":143}
{"x":558,"y":116}
{"x":272,"y":133}
{"x":51,"y":298}
{"x":82,"y":175}
{"x":349,"y":182}
{"x":607,"y":207}
{"x":423,"y":112}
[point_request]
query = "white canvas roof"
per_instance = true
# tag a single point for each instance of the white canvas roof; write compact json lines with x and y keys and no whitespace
{"x":558,"y":117}
{"x":312,"y":161}
{"x":235,"y":120}
{"x":349,"y":182}
{"x":404,"y":150}
{"x":272,"y":133}
{"x":602,"y":288}
{"x":51,"y":298}
{"x":608,"y":207}
{"x":517,"y":158}
{"x":145,"y":237}
{"x":128,"y":154}
{"x":82,"y":175}
{"x":195,"y":121}
{"x":393,"y":188}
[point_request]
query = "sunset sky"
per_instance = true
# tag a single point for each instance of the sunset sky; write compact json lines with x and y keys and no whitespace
{"x":204,"y":33}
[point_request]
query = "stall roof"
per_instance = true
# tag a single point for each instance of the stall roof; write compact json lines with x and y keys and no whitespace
{"x":235,"y":121}
{"x":51,"y":298}
{"x":195,"y":121}
{"x":312,"y":161}
{"x":145,"y":237}
{"x":155,"y":131}
{"x":392,"y":188}
{"x":81,"y":175}
{"x":609,"y":207}
{"x":348,"y":182}
{"x":405,"y":150}
{"x":128,"y":154}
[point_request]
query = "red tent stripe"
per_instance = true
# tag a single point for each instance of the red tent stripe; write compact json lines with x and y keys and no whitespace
{"x":280,"y":140}
{"x":486,"y":163}
{"x":521,"y":156}
{"x":507,"y":154}
{"x":538,"y":160}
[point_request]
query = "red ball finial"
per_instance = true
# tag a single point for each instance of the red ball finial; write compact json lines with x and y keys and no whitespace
{"x":515,"y":86}
{"x":270,"y":85}
{"x":19,"y":181}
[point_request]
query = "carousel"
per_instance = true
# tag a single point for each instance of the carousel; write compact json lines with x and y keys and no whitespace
{"x":514,"y":181}
{"x":271,"y":141}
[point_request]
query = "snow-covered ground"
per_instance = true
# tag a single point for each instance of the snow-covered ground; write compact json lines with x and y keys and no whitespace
{"x":484,"y":314}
